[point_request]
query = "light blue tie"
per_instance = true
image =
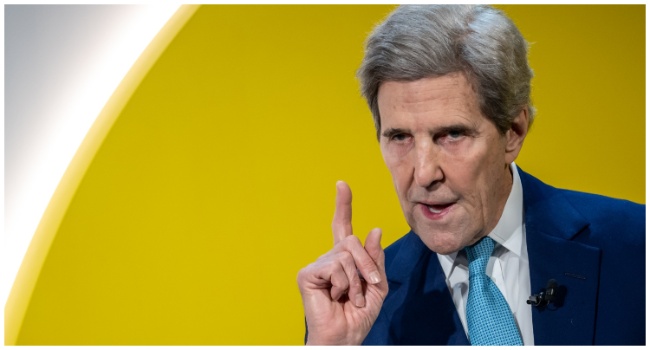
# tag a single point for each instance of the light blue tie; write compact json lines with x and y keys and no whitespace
{"x":489,"y":319}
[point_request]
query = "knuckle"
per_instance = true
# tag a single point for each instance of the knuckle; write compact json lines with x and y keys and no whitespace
{"x":306,"y":272}
{"x":301,"y":275}
{"x":351,"y":242}
{"x":368,"y":265}
{"x":340,"y":281}
{"x":356,"y":282}
{"x":346,"y":260}
{"x":340,"y":219}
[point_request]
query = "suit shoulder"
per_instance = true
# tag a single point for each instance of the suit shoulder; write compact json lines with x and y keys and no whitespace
{"x":393,"y":249}
{"x":608,"y":219}
{"x":607,"y":211}
{"x":404,"y":255}
{"x":597,"y":209}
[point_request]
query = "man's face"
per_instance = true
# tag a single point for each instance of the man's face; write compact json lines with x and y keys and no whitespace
{"x":448,"y":161}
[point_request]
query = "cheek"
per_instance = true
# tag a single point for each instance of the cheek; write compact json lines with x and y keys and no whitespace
{"x":392,"y":161}
{"x":469,"y":175}
{"x":399,"y":168}
{"x":464,"y":171}
{"x":488,"y":181}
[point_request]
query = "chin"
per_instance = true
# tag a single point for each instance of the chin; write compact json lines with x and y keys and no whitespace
{"x":441,"y":243}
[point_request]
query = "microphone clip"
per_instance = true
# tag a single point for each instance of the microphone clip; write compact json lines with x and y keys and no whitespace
{"x":546,"y":296}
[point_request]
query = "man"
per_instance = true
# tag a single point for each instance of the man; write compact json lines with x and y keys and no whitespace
{"x":449,"y":90}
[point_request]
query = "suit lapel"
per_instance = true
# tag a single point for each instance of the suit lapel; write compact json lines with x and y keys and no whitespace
{"x":552,"y":225}
{"x":419,"y":306}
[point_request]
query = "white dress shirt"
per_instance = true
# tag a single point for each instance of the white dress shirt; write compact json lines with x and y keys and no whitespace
{"x":508,"y":265}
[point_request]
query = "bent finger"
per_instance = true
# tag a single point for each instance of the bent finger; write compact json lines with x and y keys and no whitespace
{"x":362,"y":260}
{"x":340,"y":284}
{"x":355,"y":289}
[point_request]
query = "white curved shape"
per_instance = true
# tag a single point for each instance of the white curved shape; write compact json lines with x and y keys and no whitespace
{"x":62,"y":63}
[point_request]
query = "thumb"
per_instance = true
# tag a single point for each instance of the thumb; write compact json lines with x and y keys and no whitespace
{"x":374,"y":249}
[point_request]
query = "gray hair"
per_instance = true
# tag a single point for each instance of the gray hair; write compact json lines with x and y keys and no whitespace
{"x":421,"y":41}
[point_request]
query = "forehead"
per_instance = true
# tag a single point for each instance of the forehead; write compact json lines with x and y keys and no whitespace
{"x":445,"y":96}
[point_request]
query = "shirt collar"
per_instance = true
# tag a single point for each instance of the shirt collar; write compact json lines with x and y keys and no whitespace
{"x":508,"y":231}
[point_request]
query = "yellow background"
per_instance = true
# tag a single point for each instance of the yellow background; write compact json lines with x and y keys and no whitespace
{"x":208,"y":180}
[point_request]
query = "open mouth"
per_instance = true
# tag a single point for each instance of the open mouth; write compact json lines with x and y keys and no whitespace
{"x":436,"y":211}
{"x":438,"y":208}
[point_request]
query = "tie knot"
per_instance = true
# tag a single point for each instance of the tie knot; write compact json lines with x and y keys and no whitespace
{"x":479,"y":254}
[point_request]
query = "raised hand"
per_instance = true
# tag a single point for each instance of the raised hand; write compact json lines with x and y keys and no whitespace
{"x":342,"y":292}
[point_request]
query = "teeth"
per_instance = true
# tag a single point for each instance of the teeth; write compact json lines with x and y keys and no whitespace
{"x":434,"y":210}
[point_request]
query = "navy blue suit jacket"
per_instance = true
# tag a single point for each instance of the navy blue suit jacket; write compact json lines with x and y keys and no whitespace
{"x":593,"y":246}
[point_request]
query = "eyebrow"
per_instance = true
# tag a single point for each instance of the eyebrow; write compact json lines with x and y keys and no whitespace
{"x":455,"y":127}
{"x":443,"y":129}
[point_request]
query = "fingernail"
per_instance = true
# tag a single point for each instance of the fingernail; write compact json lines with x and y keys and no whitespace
{"x":359,"y":301}
{"x":374,"y":277}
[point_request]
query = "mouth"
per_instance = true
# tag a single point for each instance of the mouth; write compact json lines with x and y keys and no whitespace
{"x":436,"y":211}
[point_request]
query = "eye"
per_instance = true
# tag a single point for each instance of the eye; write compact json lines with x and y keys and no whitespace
{"x":454,"y":134}
{"x":399,"y":137}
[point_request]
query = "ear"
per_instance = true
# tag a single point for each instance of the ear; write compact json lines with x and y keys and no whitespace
{"x":516,"y":134}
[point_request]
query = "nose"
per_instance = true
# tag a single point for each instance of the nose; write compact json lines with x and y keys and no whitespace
{"x":428,"y":169}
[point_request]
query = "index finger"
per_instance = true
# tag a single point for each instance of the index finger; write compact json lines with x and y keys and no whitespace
{"x":342,"y":222}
